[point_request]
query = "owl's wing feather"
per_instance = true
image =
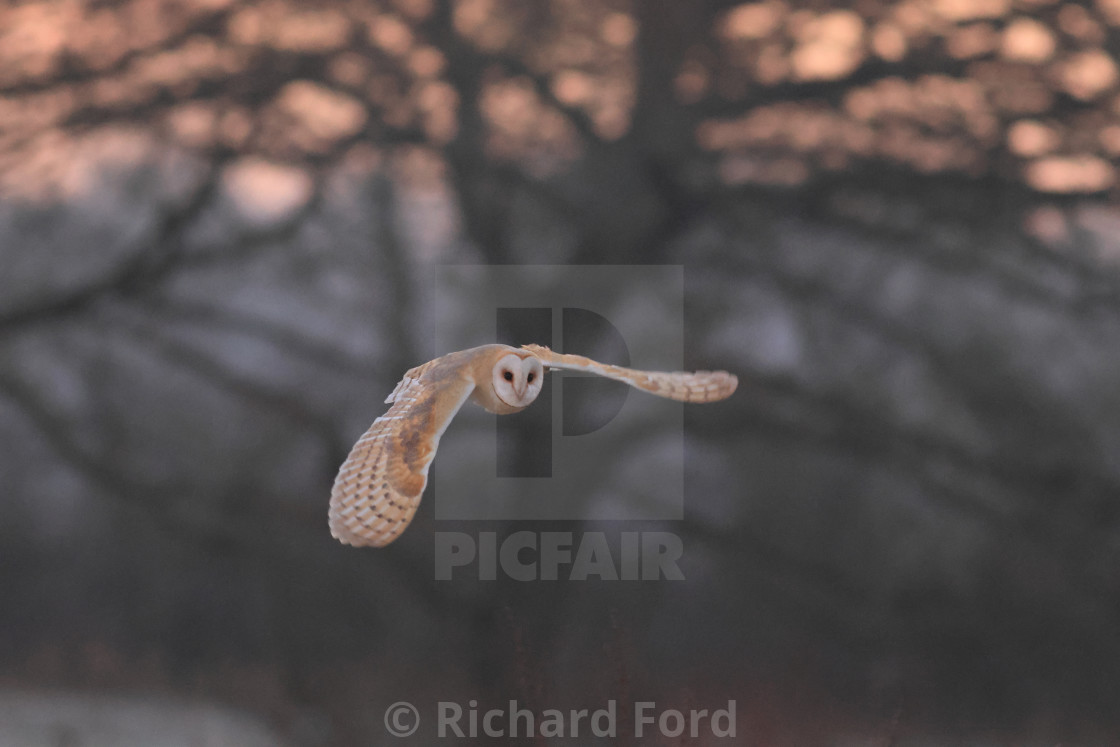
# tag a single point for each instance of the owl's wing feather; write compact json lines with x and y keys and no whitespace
{"x":378,"y":487}
{"x":684,"y":386}
{"x":411,"y":376}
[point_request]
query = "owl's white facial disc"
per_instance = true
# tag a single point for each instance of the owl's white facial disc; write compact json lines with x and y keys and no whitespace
{"x":517,"y":381}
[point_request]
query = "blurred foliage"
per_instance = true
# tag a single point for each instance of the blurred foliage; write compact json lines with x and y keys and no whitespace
{"x":768,"y":92}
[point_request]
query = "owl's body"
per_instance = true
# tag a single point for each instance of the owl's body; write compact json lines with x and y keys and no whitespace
{"x":378,"y":487}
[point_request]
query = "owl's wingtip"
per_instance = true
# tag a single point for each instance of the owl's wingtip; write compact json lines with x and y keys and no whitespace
{"x":347,"y":535}
{"x":727,"y":383}
{"x":351,"y":539}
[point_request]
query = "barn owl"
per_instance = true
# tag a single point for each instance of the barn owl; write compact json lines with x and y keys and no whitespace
{"x":378,"y":487}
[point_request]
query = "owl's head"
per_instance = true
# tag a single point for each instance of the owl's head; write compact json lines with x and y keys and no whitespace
{"x":517,"y":379}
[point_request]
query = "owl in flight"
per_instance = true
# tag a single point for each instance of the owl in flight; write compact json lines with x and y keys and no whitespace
{"x":379,"y":485}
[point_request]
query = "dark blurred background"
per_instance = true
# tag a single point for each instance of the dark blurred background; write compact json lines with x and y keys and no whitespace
{"x":897,"y":222}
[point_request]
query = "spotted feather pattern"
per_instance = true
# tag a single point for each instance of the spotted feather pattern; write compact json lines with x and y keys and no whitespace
{"x":378,"y":487}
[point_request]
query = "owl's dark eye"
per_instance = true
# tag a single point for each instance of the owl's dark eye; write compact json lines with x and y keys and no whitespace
{"x":508,"y":376}
{"x":529,"y":378}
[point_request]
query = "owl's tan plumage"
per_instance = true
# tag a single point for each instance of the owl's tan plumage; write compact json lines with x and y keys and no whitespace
{"x":379,"y":486}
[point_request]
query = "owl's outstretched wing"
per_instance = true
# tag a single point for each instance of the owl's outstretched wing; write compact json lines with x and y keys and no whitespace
{"x":378,"y":487}
{"x":685,"y":386}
